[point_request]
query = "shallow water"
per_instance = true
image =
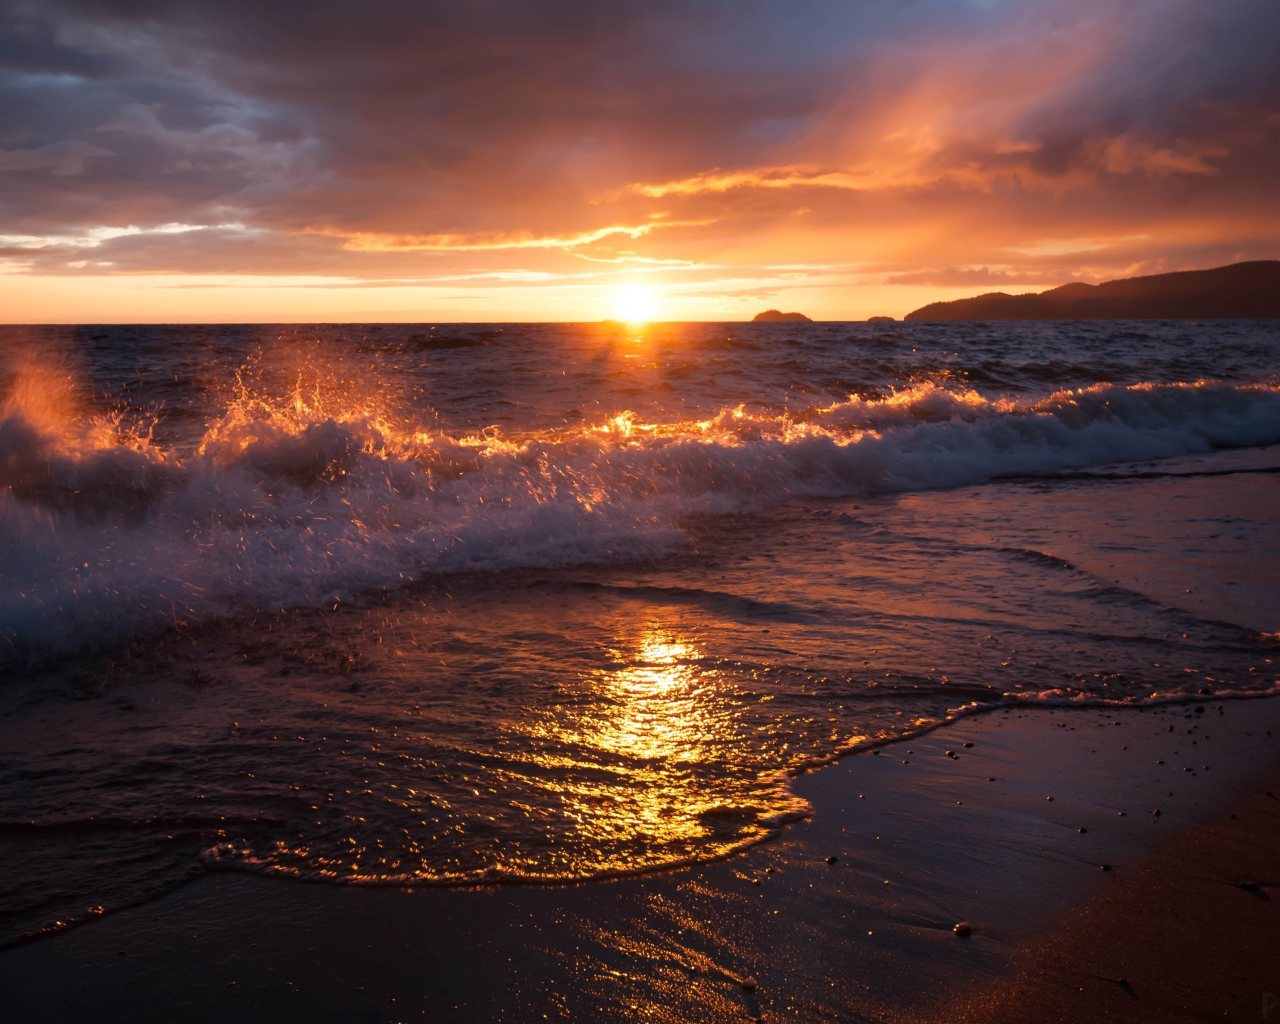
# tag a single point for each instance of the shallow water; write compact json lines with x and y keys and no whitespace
{"x":415,"y":605}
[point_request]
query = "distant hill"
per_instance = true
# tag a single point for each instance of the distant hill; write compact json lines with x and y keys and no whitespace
{"x":1241,"y":291}
{"x":773,"y":314}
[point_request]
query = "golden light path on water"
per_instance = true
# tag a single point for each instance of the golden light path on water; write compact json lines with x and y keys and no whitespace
{"x":649,"y":755}
{"x":653,"y":731}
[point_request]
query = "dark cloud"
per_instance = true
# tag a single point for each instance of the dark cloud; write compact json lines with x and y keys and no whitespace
{"x":427,"y":124}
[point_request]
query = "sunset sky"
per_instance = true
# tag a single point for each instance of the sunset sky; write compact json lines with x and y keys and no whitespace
{"x":522,"y":160}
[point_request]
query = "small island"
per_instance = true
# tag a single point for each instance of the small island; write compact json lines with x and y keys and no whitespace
{"x":773,"y":315}
{"x":881,"y":320}
{"x":1241,"y":291}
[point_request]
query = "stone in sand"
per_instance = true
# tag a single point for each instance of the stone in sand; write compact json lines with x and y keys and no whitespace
{"x":749,"y":984}
{"x":964,"y":929}
{"x":832,"y":859}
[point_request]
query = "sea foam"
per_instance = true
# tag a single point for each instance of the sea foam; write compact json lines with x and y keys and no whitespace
{"x":104,"y":534}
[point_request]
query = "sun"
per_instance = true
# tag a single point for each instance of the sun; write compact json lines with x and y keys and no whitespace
{"x":635,"y":304}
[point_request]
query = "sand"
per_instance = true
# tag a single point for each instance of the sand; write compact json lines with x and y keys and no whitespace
{"x":1191,"y":934}
{"x":922,"y":841}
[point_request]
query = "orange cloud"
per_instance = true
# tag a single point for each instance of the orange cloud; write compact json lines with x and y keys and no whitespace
{"x":532,"y":158}
{"x":372,"y":241}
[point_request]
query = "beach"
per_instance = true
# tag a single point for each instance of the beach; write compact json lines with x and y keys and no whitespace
{"x":678,"y":512}
{"x":923,"y":841}
{"x":1190,"y":935}
{"x":510,"y":670}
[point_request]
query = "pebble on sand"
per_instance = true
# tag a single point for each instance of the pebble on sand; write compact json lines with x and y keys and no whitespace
{"x":969,"y":744}
{"x":964,"y":929}
{"x":832,"y":859}
{"x":1106,"y":867}
{"x":1082,"y":830}
{"x":1156,"y":812}
{"x":749,"y":984}
{"x":1048,"y":798}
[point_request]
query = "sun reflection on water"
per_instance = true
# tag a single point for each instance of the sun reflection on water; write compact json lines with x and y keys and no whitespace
{"x":648,"y":754}
{"x":647,"y":784}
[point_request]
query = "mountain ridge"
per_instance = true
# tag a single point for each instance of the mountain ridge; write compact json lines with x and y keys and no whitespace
{"x":1238,"y":291}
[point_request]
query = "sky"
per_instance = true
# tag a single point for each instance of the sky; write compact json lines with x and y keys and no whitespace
{"x":499,"y":160}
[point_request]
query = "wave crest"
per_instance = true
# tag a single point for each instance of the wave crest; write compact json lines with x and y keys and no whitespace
{"x":313,"y":497}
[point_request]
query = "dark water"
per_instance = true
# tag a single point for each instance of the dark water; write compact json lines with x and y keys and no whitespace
{"x":432,"y":605}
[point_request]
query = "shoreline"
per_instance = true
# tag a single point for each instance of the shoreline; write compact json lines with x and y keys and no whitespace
{"x":923,"y":841}
{"x":1021,"y":703}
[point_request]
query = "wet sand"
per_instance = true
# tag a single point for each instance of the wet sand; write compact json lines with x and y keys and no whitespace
{"x":923,"y":841}
{"x":1191,"y":934}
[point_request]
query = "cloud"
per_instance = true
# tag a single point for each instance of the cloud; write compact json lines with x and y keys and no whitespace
{"x":95,"y":237}
{"x":973,"y":277}
{"x":61,"y":158}
{"x":368,"y":241}
{"x":406,"y":138}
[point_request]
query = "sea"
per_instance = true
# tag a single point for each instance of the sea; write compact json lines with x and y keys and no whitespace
{"x":482,"y":604}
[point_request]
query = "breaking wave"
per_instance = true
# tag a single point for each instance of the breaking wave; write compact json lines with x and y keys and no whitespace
{"x":308,"y":498}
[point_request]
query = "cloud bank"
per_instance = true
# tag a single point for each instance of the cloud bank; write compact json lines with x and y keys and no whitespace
{"x":725,"y":151}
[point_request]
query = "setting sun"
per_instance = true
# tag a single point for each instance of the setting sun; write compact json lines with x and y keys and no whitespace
{"x":635,"y":304}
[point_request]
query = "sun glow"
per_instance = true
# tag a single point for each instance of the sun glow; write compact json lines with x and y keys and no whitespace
{"x":635,"y":304}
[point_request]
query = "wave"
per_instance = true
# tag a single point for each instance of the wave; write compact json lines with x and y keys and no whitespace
{"x":302,"y":500}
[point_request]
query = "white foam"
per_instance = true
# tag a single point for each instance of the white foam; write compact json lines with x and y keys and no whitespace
{"x":102,"y":534}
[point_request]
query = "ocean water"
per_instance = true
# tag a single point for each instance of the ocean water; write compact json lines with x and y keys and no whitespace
{"x":458,"y":604}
